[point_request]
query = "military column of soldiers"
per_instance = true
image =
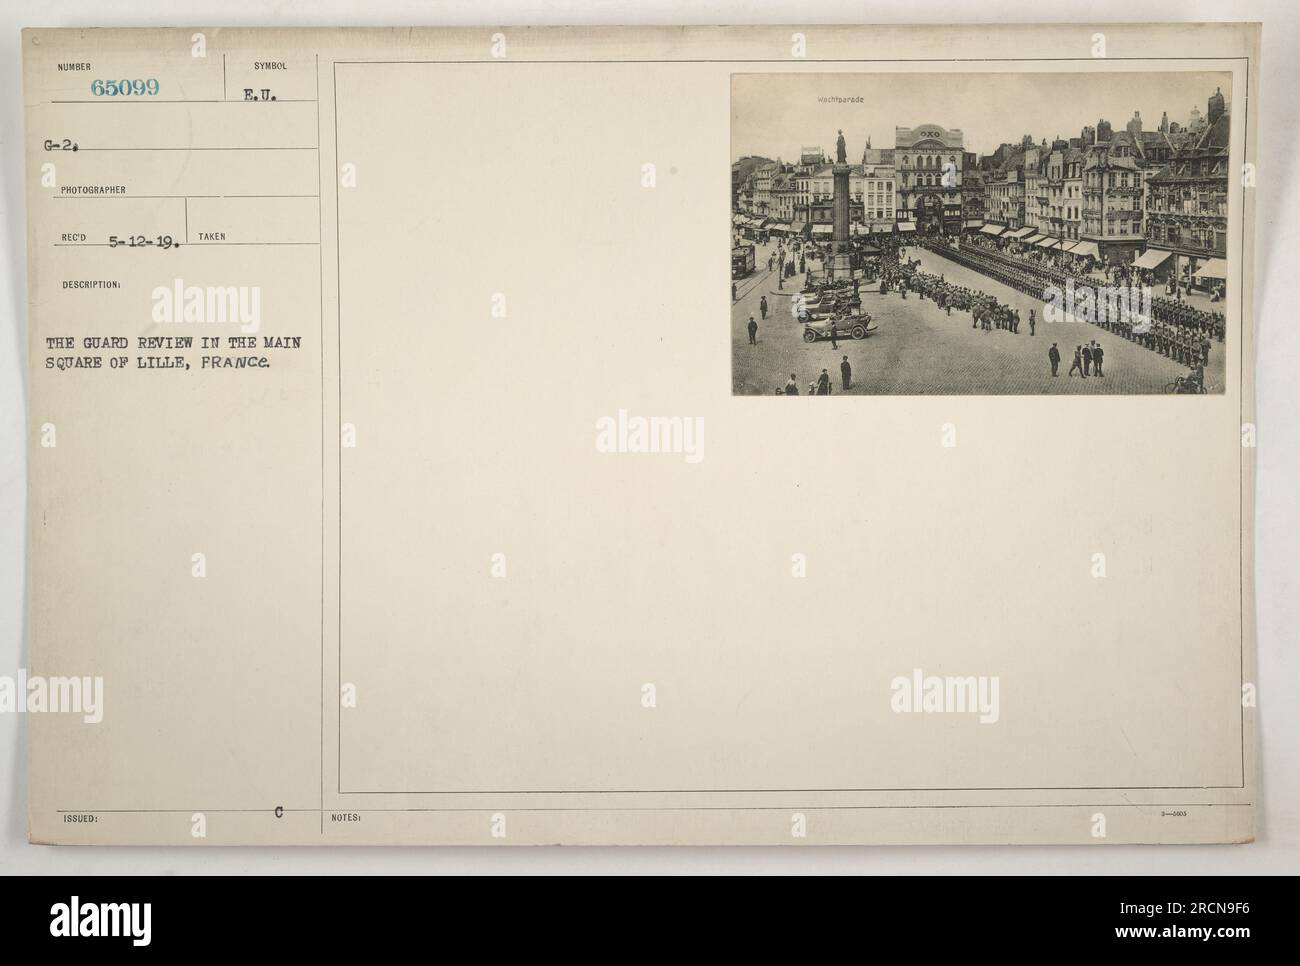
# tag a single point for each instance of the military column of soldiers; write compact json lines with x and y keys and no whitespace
{"x":1175,"y":329}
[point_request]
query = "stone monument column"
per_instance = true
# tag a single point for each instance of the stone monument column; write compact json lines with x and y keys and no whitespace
{"x":841,"y":208}
{"x":841,"y":262}
{"x":841,"y":250}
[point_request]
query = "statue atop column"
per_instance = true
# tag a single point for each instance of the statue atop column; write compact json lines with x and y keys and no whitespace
{"x":841,"y":261}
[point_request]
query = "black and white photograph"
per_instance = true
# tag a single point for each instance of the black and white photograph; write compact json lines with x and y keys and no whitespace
{"x":980,"y":234}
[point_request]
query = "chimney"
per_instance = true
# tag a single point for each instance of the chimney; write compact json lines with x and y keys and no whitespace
{"x":1214,"y":110}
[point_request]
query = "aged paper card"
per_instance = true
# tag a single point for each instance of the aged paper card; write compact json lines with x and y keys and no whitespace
{"x":404,"y":470}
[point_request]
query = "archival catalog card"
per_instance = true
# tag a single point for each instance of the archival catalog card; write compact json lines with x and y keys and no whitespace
{"x":411,"y":461}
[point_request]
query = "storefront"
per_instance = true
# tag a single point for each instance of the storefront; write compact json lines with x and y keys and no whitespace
{"x":1212,"y":275}
{"x":1156,"y":261}
{"x":1085,"y":253}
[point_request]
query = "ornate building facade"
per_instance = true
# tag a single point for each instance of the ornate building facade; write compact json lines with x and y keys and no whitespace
{"x":928,"y":165}
{"x":1112,"y":202}
{"x":1187,"y":200}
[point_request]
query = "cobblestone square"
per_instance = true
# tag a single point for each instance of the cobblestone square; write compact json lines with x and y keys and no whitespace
{"x":918,"y":349}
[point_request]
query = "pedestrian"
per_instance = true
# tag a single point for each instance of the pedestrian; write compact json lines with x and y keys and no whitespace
{"x":835,"y":333}
{"x":792,"y":387}
{"x":846,"y":373}
{"x":1054,"y":357}
{"x":824,"y":384}
{"x":1031,"y":321}
{"x":1097,"y":356}
{"x":753,"y":331}
{"x":1077,"y":364}
{"x":1087,"y":359}
{"x":762,"y":307}
{"x":733,"y":291}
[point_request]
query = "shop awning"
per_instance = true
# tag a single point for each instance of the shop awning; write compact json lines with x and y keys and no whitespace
{"x":991,"y":230}
{"x":1047,"y":242}
{"x":906,"y":226}
{"x":779,"y":226}
{"x":859,"y":229}
{"x":974,"y":223}
{"x":823,"y":229}
{"x":1033,"y":239}
{"x":1018,"y":233}
{"x":1214,"y":268}
{"x":1086,"y":248}
{"x":1151,"y":258}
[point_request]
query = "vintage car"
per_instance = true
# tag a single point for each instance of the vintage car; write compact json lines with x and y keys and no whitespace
{"x":846,"y":327}
{"x":824,"y":303}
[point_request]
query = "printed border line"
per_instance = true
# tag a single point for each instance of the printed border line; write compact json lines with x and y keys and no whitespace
{"x":1240,"y":403}
{"x":652,"y":808}
{"x":320,"y":250}
{"x":800,"y":60}
{"x":1241,"y":411}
